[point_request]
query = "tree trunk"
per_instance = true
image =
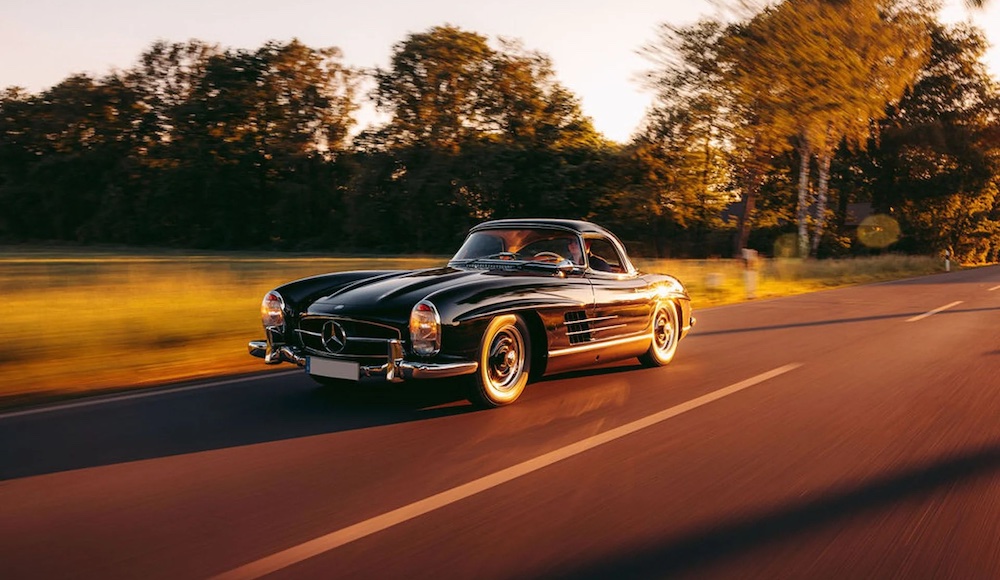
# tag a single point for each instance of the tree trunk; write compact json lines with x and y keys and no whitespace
{"x":822,"y":182}
{"x":802,"y":214}
{"x":751,"y":188}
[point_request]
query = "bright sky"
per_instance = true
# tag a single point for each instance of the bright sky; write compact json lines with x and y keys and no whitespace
{"x":592,"y":43}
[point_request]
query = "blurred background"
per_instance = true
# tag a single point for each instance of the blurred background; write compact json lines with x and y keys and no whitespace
{"x":161,"y":168}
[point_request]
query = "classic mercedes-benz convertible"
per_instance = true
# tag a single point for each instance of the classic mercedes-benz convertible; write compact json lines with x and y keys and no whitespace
{"x":522,"y":298}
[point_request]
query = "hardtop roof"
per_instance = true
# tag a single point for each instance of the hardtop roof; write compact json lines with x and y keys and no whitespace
{"x":579,"y":226}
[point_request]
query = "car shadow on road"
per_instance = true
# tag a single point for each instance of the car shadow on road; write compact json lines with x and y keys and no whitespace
{"x":685,"y":553}
{"x":244,"y":413}
{"x":611,"y":368}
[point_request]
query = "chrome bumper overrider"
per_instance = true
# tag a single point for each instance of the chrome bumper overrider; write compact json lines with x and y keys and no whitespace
{"x":394,"y":370}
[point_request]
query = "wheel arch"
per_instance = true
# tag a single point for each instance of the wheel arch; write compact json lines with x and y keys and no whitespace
{"x":539,"y":342}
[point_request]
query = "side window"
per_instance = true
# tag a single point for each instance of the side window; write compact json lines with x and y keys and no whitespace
{"x":604,"y":257}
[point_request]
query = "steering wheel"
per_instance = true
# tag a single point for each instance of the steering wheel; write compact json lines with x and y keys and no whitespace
{"x":548,"y":256}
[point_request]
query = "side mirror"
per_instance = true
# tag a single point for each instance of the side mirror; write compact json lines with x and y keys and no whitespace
{"x":565,"y":267}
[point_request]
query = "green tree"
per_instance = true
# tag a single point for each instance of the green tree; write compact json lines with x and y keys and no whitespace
{"x":826,"y":70}
{"x":63,"y":150}
{"x":246,"y":138}
{"x":682,"y":141}
{"x":937,"y":163}
{"x":475,"y":131}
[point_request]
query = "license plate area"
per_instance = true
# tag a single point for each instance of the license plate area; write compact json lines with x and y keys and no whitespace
{"x":333,"y":369}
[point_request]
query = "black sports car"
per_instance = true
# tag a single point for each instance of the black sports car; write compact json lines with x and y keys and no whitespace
{"x":521,"y":298}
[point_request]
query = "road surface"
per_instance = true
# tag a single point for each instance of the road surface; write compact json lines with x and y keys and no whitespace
{"x":852,"y":433}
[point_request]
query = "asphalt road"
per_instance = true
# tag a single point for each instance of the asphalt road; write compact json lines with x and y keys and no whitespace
{"x":842,"y":434}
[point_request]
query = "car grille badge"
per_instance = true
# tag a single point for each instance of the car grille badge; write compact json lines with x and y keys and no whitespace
{"x":334,"y":337}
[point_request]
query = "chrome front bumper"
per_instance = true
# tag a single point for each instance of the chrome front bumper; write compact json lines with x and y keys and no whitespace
{"x":394,"y":370}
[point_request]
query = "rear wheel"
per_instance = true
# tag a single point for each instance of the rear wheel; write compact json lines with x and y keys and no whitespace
{"x":666,"y":332}
{"x":504,"y":362}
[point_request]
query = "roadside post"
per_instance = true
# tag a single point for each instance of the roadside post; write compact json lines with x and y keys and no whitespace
{"x":751,"y":264}
{"x":713,"y":283}
{"x":947,"y":260}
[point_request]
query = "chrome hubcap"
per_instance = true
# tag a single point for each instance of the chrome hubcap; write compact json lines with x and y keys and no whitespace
{"x":663,"y":330}
{"x":506,"y":358}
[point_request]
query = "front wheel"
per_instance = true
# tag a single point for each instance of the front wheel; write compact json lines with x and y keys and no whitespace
{"x":504,"y":362}
{"x":666,"y":332}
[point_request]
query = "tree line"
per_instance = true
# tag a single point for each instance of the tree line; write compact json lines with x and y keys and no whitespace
{"x":764,"y":128}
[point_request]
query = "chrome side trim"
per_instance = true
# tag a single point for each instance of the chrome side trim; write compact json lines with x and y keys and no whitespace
{"x":597,"y":345}
{"x":587,"y":320}
{"x":612,"y":327}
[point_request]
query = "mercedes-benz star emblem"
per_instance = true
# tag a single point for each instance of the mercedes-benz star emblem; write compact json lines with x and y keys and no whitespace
{"x":334,"y":337}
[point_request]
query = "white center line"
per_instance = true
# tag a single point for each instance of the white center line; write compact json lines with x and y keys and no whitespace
{"x":325,"y":543}
{"x":933,"y":312}
{"x":994,"y":288}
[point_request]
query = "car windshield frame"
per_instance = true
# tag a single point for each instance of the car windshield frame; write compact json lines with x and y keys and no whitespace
{"x":532,"y":245}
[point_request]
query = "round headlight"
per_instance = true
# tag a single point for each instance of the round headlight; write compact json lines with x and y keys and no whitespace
{"x":425,"y":329}
{"x":272,"y":310}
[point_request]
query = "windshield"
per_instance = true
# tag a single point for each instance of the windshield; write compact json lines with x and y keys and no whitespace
{"x":539,"y":245}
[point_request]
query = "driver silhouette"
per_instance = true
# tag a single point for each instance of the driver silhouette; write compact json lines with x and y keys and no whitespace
{"x":596,"y":262}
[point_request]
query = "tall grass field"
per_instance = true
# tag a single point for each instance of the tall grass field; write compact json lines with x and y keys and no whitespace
{"x":82,"y":323}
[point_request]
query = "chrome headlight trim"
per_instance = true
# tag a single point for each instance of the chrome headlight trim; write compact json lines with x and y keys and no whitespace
{"x":272,"y":310}
{"x":425,"y":329}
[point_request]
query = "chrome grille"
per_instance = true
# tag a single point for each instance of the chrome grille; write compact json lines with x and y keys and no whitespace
{"x":346,"y":337}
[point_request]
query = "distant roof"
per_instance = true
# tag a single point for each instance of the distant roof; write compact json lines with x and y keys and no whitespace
{"x":579,"y":226}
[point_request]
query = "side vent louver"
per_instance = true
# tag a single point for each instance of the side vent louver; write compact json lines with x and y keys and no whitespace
{"x":577,"y":327}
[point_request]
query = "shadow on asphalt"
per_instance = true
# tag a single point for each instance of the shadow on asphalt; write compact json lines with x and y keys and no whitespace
{"x":256,"y":410}
{"x":903,"y":316}
{"x":685,"y":553}
{"x":958,"y":276}
{"x":243,"y":413}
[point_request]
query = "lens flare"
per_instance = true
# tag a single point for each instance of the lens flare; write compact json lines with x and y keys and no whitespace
{"x":878,"y":231}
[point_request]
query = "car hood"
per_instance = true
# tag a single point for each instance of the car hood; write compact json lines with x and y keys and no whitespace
{"x":390,"y":298}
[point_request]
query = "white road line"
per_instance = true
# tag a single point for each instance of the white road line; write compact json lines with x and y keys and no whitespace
{"x":153,"y":392}
{"x":933,"y":312}
{"x":325,"y":543}
{"x":994,"y":288}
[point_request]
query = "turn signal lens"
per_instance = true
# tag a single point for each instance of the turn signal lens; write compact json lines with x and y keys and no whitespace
{"x":272,"y":310}
{"x":425,"y":329}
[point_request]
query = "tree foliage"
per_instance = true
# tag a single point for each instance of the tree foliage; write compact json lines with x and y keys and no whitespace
{"x":197,"y":145}
{"x":475,"y":132}
{"x":936,"y":166}
{"x":681,"y":144}
{"x":822,"y":72}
